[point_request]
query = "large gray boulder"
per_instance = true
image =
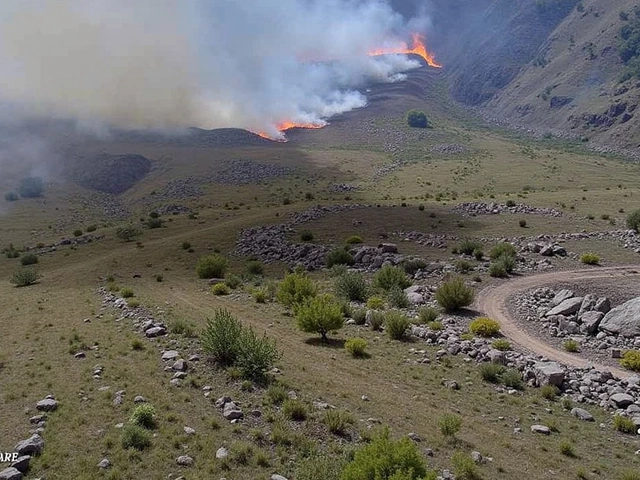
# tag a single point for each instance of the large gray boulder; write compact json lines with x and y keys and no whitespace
{"x":591,"y":322}
{"x":549,"y":373}
{"x":31,"y":446}
{"x":560,"y":297}
{"x":566,"y":308}
{"x":621,"y":400}
{"x":582,"y":414}
{"x":623,"y":320}
{"x":10,"y":474}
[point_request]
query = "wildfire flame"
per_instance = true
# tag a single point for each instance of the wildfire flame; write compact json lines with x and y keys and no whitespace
{"x":284,"y":126}
{"x":418,"y":47}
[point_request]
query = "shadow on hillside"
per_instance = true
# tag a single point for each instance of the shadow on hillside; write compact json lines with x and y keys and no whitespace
{"x":334,"y":343}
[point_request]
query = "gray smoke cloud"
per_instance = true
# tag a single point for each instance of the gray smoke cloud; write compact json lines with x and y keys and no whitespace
{"x":168,"y":64}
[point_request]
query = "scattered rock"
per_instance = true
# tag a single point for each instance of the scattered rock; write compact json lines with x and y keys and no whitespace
{"x":10,"y":474}
{"x":104,"y":463}
{"x":31,"y":446}
{"x":540,"y":429}
{"x":582,"y":414}
{"x":184,"y":460}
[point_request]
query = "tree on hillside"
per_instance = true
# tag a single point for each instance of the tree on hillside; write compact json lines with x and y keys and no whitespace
{"x":319,"y":315}
{"x":417,"y":119}
{"x":128,"y":233}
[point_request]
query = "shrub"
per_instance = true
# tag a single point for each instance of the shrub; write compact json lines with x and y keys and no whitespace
{"x":126,"y":293}
{"x":319,"y":315}
{"x":24,"y":277}
{"x":427,"y":315}
{"x":154,"y":223}
{"x":29,"y":259}
{"x":220,"y":337}
{"x":397,"y":298}
{"x":136,"y":344}
{"x":276,"y":394}
{"x":417,"y":119}
{"x":490,"y":372}
{"x":390,"y":276}
{"x":376,"y":320}
{"x":359,"y":316}
{"x":318,"y":467}
{"x":412,"y":266}
{"x":498,"y":270}
{"x":453,"y":294}
{"x":590,"y":258}
{"x":295,"y":288}
{"x":133,"y":303}
{"x":77,"y":233}
{"x":353,"y":240}
{"x":502,"y":249}
{"x":12,"y":253}
{"x":449,"y":425}
{"x":549,"y":392}
{"x":11,"y":196}
{"x":159,"y":278}
{"x":337,"y":421}
{"x":352,"y":286}
{"x":220,"y":289}
{"x":339,"y":256}
{"x":628,"y":475}
{"x":631,"y":360}
{"x":144,"y":416}
{"x":136,"y":437}
{"x":511,"y":203}
{"x":306,"y":236}
{"x":233,"y":281}
{"x":435,"y":326}
{"x":464,"y":467}
{"x":212,"y":266}
{"x":633,"y":220}
{"x":185,"y":245}
{"x":566,"y":448}
{"x":484,"y":327}
{"x":31,"y":187}
{"x":128,"y":233}
{"x":467,"y":247}
{"x":522,"y":223}
{"x":356,"y":347}
{"x":623,"y":424}
{"x":92,"y":228}
{"x":570,"y":346}
{"x":294,"y":410}
{"x":180,"y":326}
{"x":501,"y":344}
{"x":512,"y":379}
{"x":507,"y":261}
{"x":255,"y":267}
{"x":375,"y":303}
{"x":463,"y":266}
{"x":396,"y":325}
{"x":478,"y":254}
{"x":385,"y":458}
{"x":259,"y":295}
{"x":255,"y":355}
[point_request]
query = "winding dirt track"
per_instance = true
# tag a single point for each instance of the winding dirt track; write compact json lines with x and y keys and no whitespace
{"x":492,"y":301}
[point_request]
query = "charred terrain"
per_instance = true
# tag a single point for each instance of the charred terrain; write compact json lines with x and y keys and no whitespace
{"x":111,"y":354}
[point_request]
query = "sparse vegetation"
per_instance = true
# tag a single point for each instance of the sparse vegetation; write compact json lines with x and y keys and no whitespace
{"x":624,"y":424}
{"x":389,"y":277}
{"x":631,"y":360}
{"x":295,"y":410}
{"x":453,"y":295}
{"x":590,"y":258}
{"x":501,"y":249}
{"x":571,"y":346}
{"x":468,"y":247}
{"x":450,"y":425}
{"x":255,"y":267}
{"x":306,"y":236}
{"x":464,"y":467}
{"x":338,"y":421}
{"x":501,"y":344}
{"x":549,"y":392}
{"x":484,"y":327}
{"x":128,"y":233}
{"x":212,"y":266}
{"x":427,"y":315}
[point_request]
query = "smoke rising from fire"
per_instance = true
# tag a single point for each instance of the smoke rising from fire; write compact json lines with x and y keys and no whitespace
{"x":169,"y":64}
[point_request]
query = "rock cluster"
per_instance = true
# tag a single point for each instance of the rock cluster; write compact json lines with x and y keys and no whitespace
{"x":242,"y":172}
{"x":481,"y":208}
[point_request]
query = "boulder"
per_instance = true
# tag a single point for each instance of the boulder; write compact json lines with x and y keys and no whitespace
{"x":540,"y":429}
{"x":590,"y":322}
{"x":623,"y":320}
{"x":603,"y":305}
{"x":388,"y":248}
{"x":10,"y":474}
{"x":621,"y":400}
{"x":567,"y":307}
{"x":47,"y":405}
{"x":232,"y":412}
{"x":582,"y":414}
{"x":415,"y":298}
{"x":155,"y":332}
{"x":561,"y":296}
{"x":549,"y":373}
{"x":31,"y":446}
{"x":170,"y":355}
{"x":588,"y":304}
{"x":22,"y":463}
{"x":184,"y":460}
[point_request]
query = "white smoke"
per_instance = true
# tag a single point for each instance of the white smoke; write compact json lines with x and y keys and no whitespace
{"x":206,"y":63}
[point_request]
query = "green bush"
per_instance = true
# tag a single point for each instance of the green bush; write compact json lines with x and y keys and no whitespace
{"x":571,"y":346}
{"x":453,"y":294}
{"x":352,"y":286}
{"x":384,"y":458}
{"x":507,"y":261}
{"x":435,"y":326}
{"x":549,"y":392}
{"x":478,"y":254}
{"x":498,"y":270}
{"x":186,"y":245}
{"x":484,"y":327}
{"x":24,"y":277}
{"x":490,"y":372}
{"x":359,"y":316}
{"x":522,"y":223}
{"x":144,"y":416}
{"x":220,"y":289}
{"x":255,"y":267}
{"x":375,"y":303}
{"x":566,"y":449}
{"x":628,"y":475}
{"x":77,"y":233}
{"x":256,"y":355}
{"x":353,"y":240}
{"x":29,"y":259}
{"x":633,"y":220}
{"x":468,"y":247}
{"x":512,"y":379}
{"x":276,"y":394}
{"x":11,"y":196}
{"x":412,"y":266}
{"x":233,"y":281}
{"x":153,"y":223}
{"x":31,"y":187}
{"x":306,"y":236}
{"x":356,"y":347}
{"x":501,"y":344}
{"x":590,"y":258}
{"x":417,"y":119}
{"x":463,"y":266}
{"x":390,"y":276}
{"x":259,"y":295}
{"x":397,"y":298}
{"x":180,"y":326}
{"x":295,"y":288}
{"x":294,"y":409}
{"x":339,"y":256}
{"x":11,"y":253}
{"x":92,"y":228}
{"x":220,"y":337}
{"x":136,"y":437}
{"x":396,"y":325}
{"x":127,"y":293}
{"x":128,"y":233}
{"x":623,"y":424}
{"x":449,"y":425}
{"x":464,"y":467}
{"x":631,"y":360}
{"x":502,"y":248}
{"x":376,"y":320}
{"x":212,"y":266}
{"x":511,"y":203}
{"x":338,"y":421}
{"x":319,"y":315}
{"x":427,"y":315}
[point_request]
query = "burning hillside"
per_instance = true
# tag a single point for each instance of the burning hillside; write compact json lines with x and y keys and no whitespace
{"x":418,"y":47}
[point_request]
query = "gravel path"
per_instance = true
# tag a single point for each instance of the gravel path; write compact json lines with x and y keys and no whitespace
{"x":493,"y":301}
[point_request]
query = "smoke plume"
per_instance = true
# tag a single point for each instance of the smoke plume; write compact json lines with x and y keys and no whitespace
{"x":168,"y":64}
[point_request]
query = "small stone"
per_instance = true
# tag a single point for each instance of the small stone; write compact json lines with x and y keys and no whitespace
{"x":104,"y":463}
{"x":47,"y":405}
{"x":184,"y":460}
{"x":222,"y":453}
{"x":540,"y":429}
{"x":275,"y":476}
{"x":364,"y":398}
{"x":31,"y":446}
{"x":10,"y":474}
{"x":477,"y":457}
{"x":80,"y":355}
{"x":189,"y":431}
{"x":139,"y":399}
{"x":414,"y":436}
{"x":179,"y":366}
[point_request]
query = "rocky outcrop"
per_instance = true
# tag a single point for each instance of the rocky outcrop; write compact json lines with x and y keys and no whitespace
{"x":623,"y":320}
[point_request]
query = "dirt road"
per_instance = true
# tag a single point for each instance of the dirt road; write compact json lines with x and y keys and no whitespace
{"x":492,"y":301}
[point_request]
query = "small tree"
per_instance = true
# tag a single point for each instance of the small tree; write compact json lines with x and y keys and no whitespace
{"x":352,"y":286}
{"x":220,"y":337}
{"x":417,"y":119}
{"x":633,"y":220}
{"x":319,"y":315}
{"x":31,"y":187}
{"x":295,"y":288}
{"x":128,"y":233}
{"x":212,"y":266}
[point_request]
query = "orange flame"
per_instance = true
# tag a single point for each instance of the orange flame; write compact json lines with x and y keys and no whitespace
{"x":287,"y":125}
{"x":418,"y":47}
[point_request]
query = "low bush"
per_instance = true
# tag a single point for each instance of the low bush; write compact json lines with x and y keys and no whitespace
{"x":508,"y":262}
{"x":427,"y":315}
{"x":220,"y":337}
{"x":77,"y":233}
{"x":11,"y":196}
{"x":29,"y":259}
{"x":396,"y":325}
{"x":356,"y":347}
{"x":435,"y":326}
{"x":501,"y":344}
{"x":320,"y":314}
{"x":389,"y":277}
{"x":464,"y":467}
{"x":212,"y":266}
{"x":631,"y":360}
{"x":453,"y":294}
{"x":549,"y":392}
{"x":375,"y":303}
{"x":220,"y":289}
{"x":352,"y":286}
{"x":259,"y":295}
{"x":306,"y":236}
{"x":397,"y":298}
{"x":590,"y":258}
{"x":359,"y":316}
{"x":92,"y":228}
{"x":484,"y":327}
{"x":153,"y":223}
{"x":354,"y":240}
{"x":512,"y":379}
{"x":126,"y":293}
{"x":255,"y":355}
{"x":11,"y":253}
{"x":376,"y":320}
{"x":31,"y":187}
{"x":180,"y":326}
{"x":502,"y":248}
{"x":463,"y":266}
{"x":339,"y":256}
{"x":566,"y":449}
{"x":498,"y":270}
{"x":318,"y":467}
{"x":413,"y":265}
{"x":478,"y":254}
{"x":276,"y":394}
{"x":624,"y":424}
{"x":338,"y":421}
{"x":144,"y":416}
{"x":136,"y":437}
{"x":571,"y":346}
{"x":186,"y":245}
{"x":449,"y":425}
{"x":128,"y":233}
{"x":633,"y":220}
{"x":255,"y":267}
{"x":295,"y":288}
{"x":522,"y":223}
{"x":295,"y":410}
{"x":490,"y":372}
{"x":467,"y":247}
